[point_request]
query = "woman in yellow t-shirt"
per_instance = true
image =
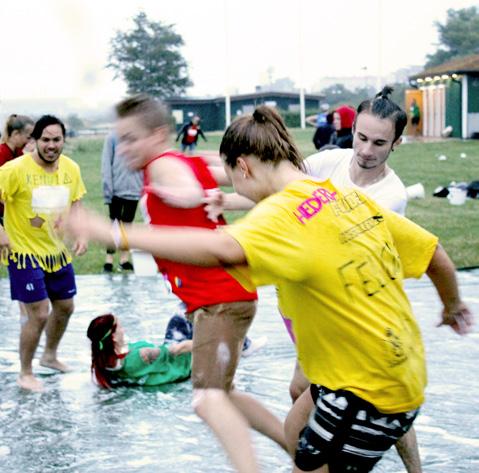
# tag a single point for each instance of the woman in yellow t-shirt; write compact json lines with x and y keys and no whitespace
{"x":338,"y":261}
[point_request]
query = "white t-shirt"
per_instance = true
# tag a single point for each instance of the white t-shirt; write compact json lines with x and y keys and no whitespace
{"x":334,"y":164}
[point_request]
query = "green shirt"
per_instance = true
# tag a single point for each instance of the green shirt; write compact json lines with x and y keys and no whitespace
{"x":167,"y":368}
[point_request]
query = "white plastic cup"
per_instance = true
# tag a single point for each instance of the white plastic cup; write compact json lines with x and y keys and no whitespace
{"x":416,"y":191}
{"x":457,"y":196}
{"x":143,"y":263}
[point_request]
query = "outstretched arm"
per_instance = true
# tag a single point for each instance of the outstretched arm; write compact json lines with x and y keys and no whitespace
{"x":186,"y":346}
{"x":200,"y":132}
{"x":107,"y":158}
{"x":217,"y":201}
{"x":4,"y":244}
{"x":219,"y":173}
{"x":174,"y":196}
{"x":174,"y":183}
{"x":311,"y":120}
{"x":181,"y":132}
{"x":80,"y":246}
{"x":442,"y":272}
{"x":201,"y":247}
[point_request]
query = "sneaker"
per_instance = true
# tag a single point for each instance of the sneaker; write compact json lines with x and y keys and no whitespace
{"x":126,"y":266}
{"x":108,"y":268}
{"x":252,"y":345}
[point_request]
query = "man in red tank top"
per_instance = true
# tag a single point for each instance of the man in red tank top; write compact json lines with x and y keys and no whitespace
{"x":220,"y":308}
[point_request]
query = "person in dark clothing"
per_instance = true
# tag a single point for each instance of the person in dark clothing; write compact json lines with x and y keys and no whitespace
{"x":345,"y":118}
{"x":191,"y":131}
{"x":323,"y":133}
{"x":121,"y":192}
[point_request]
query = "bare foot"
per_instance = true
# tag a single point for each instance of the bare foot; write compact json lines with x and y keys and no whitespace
{"x":54,"y":364}
{"x":28,"y":381}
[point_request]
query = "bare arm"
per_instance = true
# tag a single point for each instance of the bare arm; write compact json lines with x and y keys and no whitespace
{"x":211,"y":157}
{"x":175,"y":183}
{"x":217,"y":201}
{"x":4,"y":244}
{"x":311,"y":120}
{"x":219,"y":173}
{"x":4,"y":240}
{"x":175,"y":196}
{"x":442,"y":272}
{"x":106,"y":168}
{"x":149,"y":355}
{"x":234,"y":201}
{"x":80,"y":246}
{"x":186,"y":346}
{"x":201,"y":247}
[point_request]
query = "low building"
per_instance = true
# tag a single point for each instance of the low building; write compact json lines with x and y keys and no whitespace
{"x":448,"y":96}
{"x":212,"y":110}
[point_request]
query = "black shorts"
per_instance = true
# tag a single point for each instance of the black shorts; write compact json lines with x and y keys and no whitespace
{"x":122,"y":209}
{"x":347,"y":433}
{"x":415,"y":120}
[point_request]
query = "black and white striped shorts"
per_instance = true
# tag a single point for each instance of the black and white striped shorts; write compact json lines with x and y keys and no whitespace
{"x":347,"y":433}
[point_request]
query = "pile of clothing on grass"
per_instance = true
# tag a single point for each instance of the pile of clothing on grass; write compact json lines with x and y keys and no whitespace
{"x":471,"y":188}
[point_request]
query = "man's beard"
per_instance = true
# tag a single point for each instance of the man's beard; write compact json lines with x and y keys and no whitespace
{"x":46,"y":161}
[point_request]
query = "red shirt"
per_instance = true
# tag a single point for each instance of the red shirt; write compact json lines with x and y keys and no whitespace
{"x":6,"y":154}
{"x":196,"y":286}
{"x":191,"y":134}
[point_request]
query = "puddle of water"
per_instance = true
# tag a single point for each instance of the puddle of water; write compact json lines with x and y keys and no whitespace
{"x":76,"y":427}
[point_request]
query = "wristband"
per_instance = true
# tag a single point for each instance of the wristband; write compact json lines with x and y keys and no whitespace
{"x":119,"y":236}
{"x":115,"y":233}
{"x":123,"y":237}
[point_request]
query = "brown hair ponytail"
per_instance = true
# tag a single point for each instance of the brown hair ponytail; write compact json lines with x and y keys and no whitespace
{"x":263,"y":135}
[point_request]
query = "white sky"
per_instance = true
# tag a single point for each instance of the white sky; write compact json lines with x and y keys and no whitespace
{"x":52,"y":49}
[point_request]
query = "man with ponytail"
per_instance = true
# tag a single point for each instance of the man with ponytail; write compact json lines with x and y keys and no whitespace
{"x":377,"y":131}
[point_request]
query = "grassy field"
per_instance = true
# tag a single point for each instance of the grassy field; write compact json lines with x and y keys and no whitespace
{"x":456,"y":226}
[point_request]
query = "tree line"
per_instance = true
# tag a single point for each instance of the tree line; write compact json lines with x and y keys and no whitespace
{"x":148,"y":57}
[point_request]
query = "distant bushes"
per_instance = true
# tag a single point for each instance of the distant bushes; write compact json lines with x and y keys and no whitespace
{"x":293,"y":119}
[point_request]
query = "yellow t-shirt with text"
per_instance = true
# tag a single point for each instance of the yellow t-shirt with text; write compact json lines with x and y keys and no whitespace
{"x":338,"y":261}
{"x":30,"y":221}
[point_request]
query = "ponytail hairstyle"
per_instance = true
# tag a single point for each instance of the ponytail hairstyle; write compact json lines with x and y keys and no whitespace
{"x":103,"y":356}
{"x":383,"y":107}
{"x":263,"y":135}
{"x":15,"y":123}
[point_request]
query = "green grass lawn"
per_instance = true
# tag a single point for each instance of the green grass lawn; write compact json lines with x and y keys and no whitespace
{"x":456,"y":226}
